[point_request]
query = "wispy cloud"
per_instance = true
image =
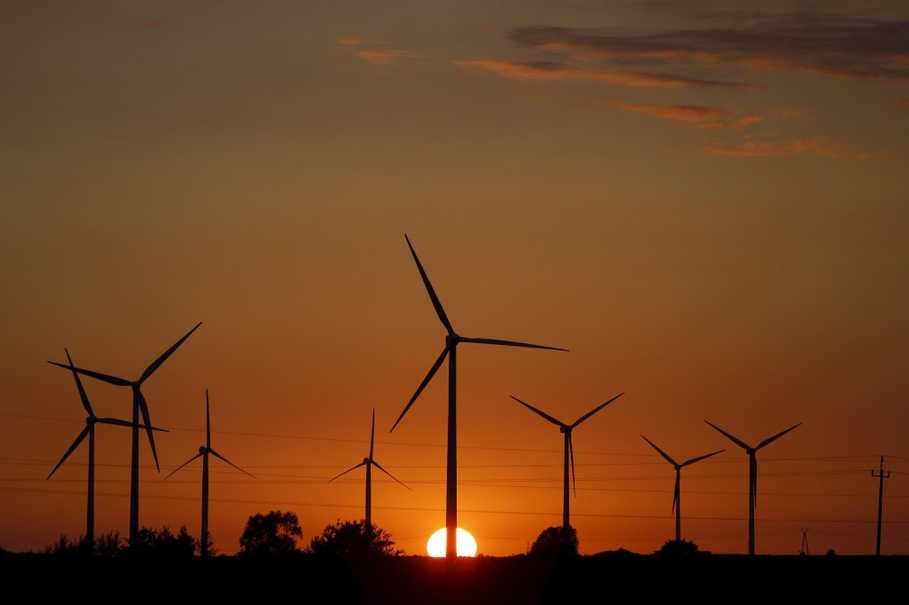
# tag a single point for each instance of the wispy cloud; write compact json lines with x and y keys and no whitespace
{"x":851,"y":46}
{"x":759,"y":149}
{"x":698,"y":115}
{"x":376,"y":55}
{"x":551,"y":71}
{"x":381,"y":56}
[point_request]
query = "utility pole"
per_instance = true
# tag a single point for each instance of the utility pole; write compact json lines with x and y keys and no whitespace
{"x":880,"y":475}
{"x":803,"y":550}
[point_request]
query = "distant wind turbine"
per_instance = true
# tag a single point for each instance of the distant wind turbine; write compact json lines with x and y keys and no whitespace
{"x":566,"y":430}
{"x":204,"y":451}
{"x":452,"y":340}
{"x":89,"y":431}
{"x":752,"y":473}
{"x":139,"y":405}
{"x":368,"y":462}
{"x":677,"y":492}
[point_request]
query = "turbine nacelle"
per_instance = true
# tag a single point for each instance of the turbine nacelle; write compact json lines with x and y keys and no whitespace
{"x":369,"y":461}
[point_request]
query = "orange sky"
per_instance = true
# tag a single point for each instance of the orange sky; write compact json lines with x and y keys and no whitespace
{"x":712,"y":220}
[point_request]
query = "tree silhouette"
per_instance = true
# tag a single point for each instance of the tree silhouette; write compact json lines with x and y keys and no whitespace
{"x":270,"y":535}
{"x":349,"y":540}
{"x":559,"y":541}
{"x":678,"y":548}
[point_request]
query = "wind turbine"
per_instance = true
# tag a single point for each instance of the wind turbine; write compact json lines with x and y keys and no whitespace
{"x":204,"y":451}
{"x":452,"y":340}
{"x":368,"y":462}
{"x":677,"y":492}
{"x":89,"y":431}
{"x":139,"y":405}
{"x":752,"y":473}
{"x":566,"y":430}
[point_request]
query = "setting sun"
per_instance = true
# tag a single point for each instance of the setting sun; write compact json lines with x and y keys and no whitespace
{"x":466,"y":544}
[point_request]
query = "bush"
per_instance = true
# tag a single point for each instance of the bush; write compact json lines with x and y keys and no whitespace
{"x":349,"y":540}
{"x":271,"y":535}
{"x":163,"y":544}
{"x":556,"y":542}
{"x":66,"y":547}
{"x":108,"y":545}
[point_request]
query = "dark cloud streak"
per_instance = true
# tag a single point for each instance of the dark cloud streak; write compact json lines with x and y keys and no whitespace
{"x":852,"y":46}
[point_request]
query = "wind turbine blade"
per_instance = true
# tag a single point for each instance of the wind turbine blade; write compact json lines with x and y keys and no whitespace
{"x":217,"y":455}
{"x":143,"y":407}
{"x":372,"y":434}
{"x":71,"y":449}
{"x":661,"y":452}
{"x":429,"y":375}
{"x":207,"y":422}
{"x":675,"y":492}
{"x":379,"y":466}
{"x":83,"y":396}
{"x":126,"y":423}
{"x":173,"y":472}
{"x":699,"y":458}
{"x":163,"y":356}
{"x":732,"y":438}
{"x":770,"y":440}
{"x":120,"y":382}
{"x":353,"y":468}
{"x":574,"y":481}
{"x":595,"y":410}
{"x":540,"y":412}
{"x":510,"y":343}
{"x":436,"y":303}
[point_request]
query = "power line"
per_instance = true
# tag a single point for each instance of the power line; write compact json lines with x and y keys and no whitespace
{"x":46,"y":461}
{"x":322,"y":481}
{"x":661,"y":477}
{"x":465,"y":510}
{"x":291,"y":436}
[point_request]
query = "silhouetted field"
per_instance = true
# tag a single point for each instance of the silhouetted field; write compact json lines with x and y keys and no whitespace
{"x":598,"y":578}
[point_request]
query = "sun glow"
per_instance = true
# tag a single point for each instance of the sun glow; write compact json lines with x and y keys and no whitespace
{"x":466,"y":544}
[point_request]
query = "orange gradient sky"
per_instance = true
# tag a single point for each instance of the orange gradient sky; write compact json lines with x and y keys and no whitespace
{"x":704,"y":201}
